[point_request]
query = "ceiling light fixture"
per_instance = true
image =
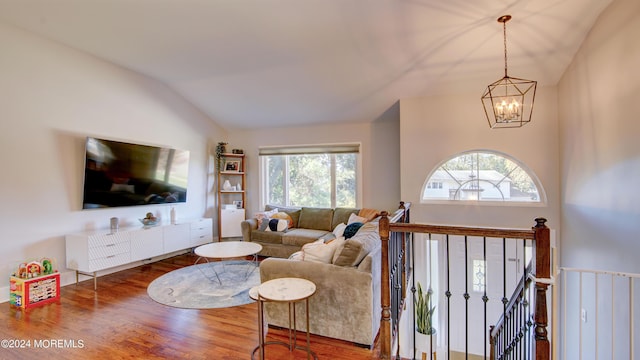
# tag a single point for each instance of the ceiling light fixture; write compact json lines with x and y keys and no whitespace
{"x":508,"y":102}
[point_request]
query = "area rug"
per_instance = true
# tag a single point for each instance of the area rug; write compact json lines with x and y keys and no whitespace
{"x":197,"y":287}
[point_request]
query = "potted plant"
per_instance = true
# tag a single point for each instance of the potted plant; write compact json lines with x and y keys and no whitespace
{"x":221,"y":148}
{"x":426,"y":340}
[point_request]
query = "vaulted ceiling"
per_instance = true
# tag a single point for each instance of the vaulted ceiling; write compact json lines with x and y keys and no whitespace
{"x":256,"y":63}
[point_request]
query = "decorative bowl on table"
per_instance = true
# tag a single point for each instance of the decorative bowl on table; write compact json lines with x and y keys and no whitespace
{"x":149,"y":222}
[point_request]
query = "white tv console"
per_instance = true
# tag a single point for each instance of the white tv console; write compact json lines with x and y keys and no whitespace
{"x":93,"y":251}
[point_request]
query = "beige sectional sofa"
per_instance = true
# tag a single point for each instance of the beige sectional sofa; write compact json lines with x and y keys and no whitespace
{"x":307,"y":225}
{"x":347,"y":303}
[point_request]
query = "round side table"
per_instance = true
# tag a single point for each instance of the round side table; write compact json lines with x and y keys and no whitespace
{"x":291,"y":291}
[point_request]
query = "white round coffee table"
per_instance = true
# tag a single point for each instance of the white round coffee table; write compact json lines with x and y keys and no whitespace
{"x":228,"y":250}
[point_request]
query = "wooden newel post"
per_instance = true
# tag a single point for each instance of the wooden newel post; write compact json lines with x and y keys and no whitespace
{"x":385,"y":321}
{"x":542,"y":271}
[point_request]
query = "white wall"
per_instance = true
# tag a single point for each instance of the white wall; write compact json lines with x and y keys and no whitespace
{"x":51,"y":98}
{"x":433,"y":129}
{"x":380,"y":154}
{"x":599,"y":99}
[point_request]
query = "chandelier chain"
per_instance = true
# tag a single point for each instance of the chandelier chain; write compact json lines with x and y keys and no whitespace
{"x":504,"y":29}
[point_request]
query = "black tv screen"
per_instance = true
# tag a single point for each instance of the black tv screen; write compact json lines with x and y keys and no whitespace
{"x":124,"y":174}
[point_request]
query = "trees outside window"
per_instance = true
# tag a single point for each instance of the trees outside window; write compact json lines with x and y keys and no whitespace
{"x":314,"y":179}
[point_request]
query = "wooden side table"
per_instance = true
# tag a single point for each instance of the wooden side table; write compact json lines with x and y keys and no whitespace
{"x":291,"y":291}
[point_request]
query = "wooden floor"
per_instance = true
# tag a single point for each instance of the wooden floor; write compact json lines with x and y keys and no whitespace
{"x":120,"y":321}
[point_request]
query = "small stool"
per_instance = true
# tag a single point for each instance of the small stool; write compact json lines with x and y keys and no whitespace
{"x":289,"y":290}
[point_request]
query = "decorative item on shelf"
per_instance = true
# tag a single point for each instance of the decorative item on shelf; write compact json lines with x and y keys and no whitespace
{"x":232,"y":165}
{"x":226,"y":185}
{"x":221,"y":148}
{"x":239,"y":187}
{"x":114,"y":224}
{"x":237,"y":204}
{"x":508,"y":102}
{"x":237,"y":151}
{"x":426,"y":339}
{"x":149,"y":220}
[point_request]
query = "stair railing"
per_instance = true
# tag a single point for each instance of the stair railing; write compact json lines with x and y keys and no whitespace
{"x":396,"y":233}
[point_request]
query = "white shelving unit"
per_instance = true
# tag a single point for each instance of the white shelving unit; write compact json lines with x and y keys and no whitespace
{"x":232,"y":169}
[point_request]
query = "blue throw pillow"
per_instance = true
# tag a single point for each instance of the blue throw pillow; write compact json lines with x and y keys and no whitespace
{"x":352,"y":229}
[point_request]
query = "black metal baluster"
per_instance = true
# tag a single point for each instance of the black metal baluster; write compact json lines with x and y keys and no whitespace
{"x":504,"y":294}
{"x":413,"y":293}
{"x":448,"y":295}
{"x":466,"y":298}
{"x":430,"y":272}
{"x":485,"y":298}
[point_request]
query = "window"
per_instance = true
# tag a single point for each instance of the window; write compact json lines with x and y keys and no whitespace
{"x":479,"y":275}
{"x":482,"y":176}
{"x":315,"y":176}
{"x":434,"y":185}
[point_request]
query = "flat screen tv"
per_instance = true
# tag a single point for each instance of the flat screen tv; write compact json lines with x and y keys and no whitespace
{"x":123,"y":174}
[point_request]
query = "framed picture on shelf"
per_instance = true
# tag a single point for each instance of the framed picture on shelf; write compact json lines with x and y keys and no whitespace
{"x":232,"y":165}
{"x":238,"y":204}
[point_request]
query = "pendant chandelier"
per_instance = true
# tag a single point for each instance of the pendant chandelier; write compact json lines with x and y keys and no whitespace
{"x":508,"y":102}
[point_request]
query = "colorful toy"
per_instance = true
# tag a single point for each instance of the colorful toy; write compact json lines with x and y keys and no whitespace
{"x":34,"y":283}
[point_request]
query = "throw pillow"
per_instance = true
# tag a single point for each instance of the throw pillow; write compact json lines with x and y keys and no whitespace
{"x":353,"y":218}
{"x":339,"y":230}
{"x":368,"y":214}
{"x":352,"y":229}
{"x":264,"y":215}
{"x":319,"y":251}
{"x":284,"y":216}
{"x":273,"y":225}
{"x":356,"y":248}
{"x":297,"y":256}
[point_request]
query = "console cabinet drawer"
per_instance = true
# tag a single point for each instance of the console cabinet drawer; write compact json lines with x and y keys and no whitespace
{"x":108,"y":250}
{"x":201,"y":232}
{"x":109,"y":261}
{"x":108,"y":239}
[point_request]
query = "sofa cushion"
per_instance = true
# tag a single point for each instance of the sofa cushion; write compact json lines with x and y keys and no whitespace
{"x":338,"y":231}
{"x":353,"y":218}
{"x":319,"y":251}
{"x":263,"y":215}
{"x":316,"y":218}
{"x":300,"y":236}
{"x":341,"y":215}
{"x":283,"y":215}
{"x":269,"y":237}
{"x":368,"y":214}
{"x":291,"y":211}
{"x":273,"y":225}
{"x":356,"y":248}
{"x":352,"y":229}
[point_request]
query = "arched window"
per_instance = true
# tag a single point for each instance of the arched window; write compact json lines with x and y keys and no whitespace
{"x":482,"y":176}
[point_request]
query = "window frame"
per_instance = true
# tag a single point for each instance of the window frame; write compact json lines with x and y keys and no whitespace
{"x":542,"y":197}
{"x":333,"y":149}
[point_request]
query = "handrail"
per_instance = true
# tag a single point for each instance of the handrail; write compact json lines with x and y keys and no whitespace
{"x":462,"y":230}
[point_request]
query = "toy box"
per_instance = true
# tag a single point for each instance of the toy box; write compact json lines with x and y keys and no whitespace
{"x":40,"y":290}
